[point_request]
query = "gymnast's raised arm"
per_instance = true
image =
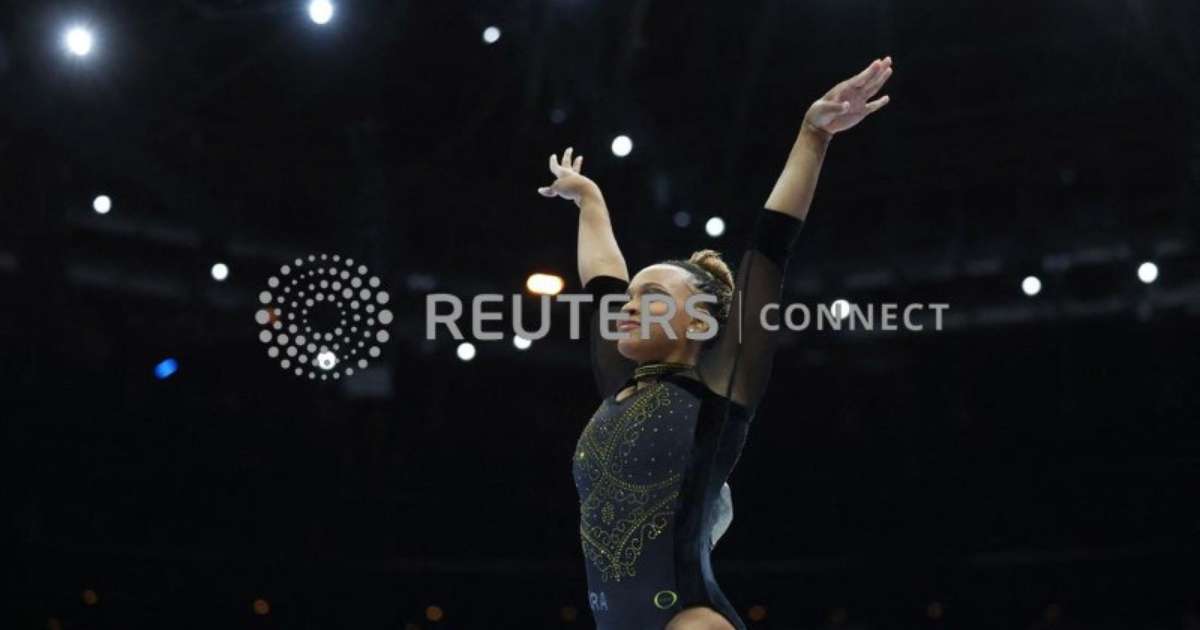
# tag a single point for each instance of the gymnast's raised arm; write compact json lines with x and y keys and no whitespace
{"x":740,"y":365}
{"x":598,"y":252}
{"x":602,"y":268}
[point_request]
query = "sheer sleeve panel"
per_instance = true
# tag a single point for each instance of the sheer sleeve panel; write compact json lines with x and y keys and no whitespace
{"x":609,"y":368}
{"x":738,"y":366}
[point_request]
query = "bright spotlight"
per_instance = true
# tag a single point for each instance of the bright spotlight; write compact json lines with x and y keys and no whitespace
{"x":840,"y":308}
{"x":165,"y":368}
{"x":466,"y":351}
{"x":544,"y":284}
{"x":491,"y":35}
{"x":715,"y":226}
{"x":102,"y":204}
{"x":320,"y":11}
{"x":220,"y":271}
{"x":621,"y":146}
{"x":78,"y":41}
{"x":1031,"y":285}
{"x":1147,"y":272}
{"x":521,"y":343}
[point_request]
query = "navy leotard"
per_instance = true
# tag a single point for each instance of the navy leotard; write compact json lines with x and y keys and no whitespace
{"x":649,"y":468}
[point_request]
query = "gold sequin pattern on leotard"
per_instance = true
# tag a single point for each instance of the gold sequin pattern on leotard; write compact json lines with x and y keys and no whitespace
{"x":620,"y":514}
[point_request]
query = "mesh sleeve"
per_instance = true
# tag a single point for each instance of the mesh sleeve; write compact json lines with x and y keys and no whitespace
{"x":739,"y":364}
{"x":609,"y":368}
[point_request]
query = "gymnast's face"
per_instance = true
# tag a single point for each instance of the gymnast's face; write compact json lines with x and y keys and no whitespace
{"x":660,"y":284}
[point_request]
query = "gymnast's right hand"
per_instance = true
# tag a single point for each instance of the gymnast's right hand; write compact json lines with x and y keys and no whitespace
{"x":569,"y":183}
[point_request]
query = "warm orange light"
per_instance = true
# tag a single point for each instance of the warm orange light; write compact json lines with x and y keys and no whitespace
{"x":90,"y":597}
{"x":757,"y":613}
{"x":544,"y":284}
{"x":568,"y":613}
{"x":261,"y":607}
{"x":433,"y":613}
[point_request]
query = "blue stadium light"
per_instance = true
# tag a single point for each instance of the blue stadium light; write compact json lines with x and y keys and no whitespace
{"x":165,"y":368}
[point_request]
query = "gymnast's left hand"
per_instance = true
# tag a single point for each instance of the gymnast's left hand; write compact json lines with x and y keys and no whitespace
{"x":847,"y":103}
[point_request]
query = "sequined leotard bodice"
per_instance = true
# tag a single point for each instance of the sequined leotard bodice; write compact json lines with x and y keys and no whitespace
{"x":649,"y":468}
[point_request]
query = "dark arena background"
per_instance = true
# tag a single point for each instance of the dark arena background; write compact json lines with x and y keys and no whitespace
{"x":1034,"y":464}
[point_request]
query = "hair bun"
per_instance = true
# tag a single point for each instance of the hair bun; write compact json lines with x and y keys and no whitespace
{"x":710,"y":260}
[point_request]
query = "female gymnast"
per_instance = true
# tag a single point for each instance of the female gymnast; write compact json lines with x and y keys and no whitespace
{"x":651,"y":464}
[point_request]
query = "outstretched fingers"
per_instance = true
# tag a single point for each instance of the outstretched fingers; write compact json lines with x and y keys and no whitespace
{"x":860,"y":80}
{"x":557,"y":167}
{"x":876,"y":82}
{"x":878,"y":103}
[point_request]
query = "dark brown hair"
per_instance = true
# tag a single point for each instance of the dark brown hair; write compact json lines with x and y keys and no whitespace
{"x":710,"y":275}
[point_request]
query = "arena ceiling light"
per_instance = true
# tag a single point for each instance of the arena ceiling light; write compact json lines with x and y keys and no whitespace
{"x":1147,"y":272}
{"x":1031,"y":285}
{"x":102,"y":204}
{"x":78,"y":41}
{"x":622,"y":145}
{"x":715,"y":226}
{"x":320,"y":11}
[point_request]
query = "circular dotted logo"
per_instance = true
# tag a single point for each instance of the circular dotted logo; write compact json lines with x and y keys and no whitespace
{"x":323,"y":315}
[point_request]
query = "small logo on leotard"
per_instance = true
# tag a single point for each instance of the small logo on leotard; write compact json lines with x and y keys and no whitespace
{"x":665,"y":599}
{"x":597,"y":602}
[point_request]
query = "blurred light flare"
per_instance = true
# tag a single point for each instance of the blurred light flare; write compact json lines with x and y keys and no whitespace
{"x":622,"y":145}
{"x":715,"y":226}
{"x":544,"y":284}
{"x":166,"y":368}
{"x":320,"y":11}
{"x":1031,"y":285}
{"x":1147,"y":272}
{"x":78,"y":41}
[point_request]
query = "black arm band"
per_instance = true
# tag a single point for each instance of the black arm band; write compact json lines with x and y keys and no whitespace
{"x":600,"y":286}
{"x":775,"y":235}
